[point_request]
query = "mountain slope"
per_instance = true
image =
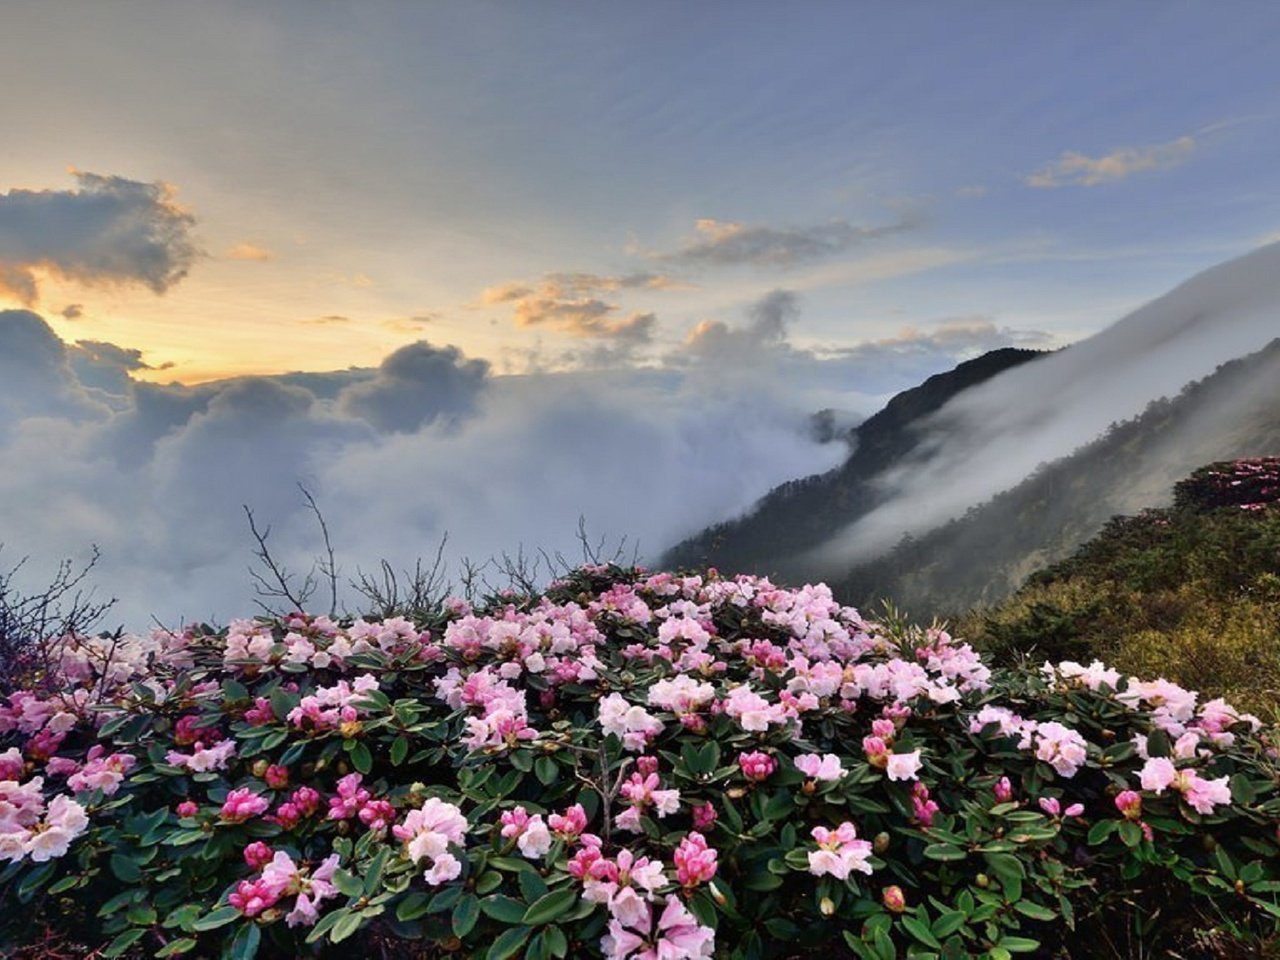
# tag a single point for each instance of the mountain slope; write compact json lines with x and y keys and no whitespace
{"x":1191,"y":592}
{"x":798,"y":516}
{"x":984,"y":556}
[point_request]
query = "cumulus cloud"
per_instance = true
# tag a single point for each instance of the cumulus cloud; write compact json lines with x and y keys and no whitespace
{"x":428,"y":443}
{"x":721,"y":243}
{"x":767,"y":322}
{"x":1074,"y":169}
{"x":418,"y":384}
{"x":110,"y":230}
{"x":572,"y":303}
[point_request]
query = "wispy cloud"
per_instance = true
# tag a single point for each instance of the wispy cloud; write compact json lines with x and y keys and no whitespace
{"x":722,"y":243}
{"x":250,"y":251}
{"x":110,"y":230}
{"x":573,"y":303}
{"x":1074,"y":169}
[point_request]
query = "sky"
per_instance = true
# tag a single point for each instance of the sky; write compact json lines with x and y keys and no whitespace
{"x":483,"y":268}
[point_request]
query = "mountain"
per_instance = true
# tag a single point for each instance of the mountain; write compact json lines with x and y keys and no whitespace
{"x":798,"y":516}
{"x":985,"y":555}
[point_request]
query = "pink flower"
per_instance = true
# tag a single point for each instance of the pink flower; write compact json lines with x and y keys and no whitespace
{"x":877,"y":751}
{"x":1129,"y":803}
{"x":922,"y":807}
{"x":903,"y":766}
{"x":569,"y":824}
{"x":678,"y":936}
{"x":241,"y":804}
{"x":277,"y":776}
{"x":1157,"y":773}
{"x":705,"y":816}
{"x":530,"y":832}
{"x":1053,"y":807}
{"x":1003,"y":790}
{"x":824,"y":767}
{"x":883,"y":728}
{"x":187,"y":808}
{"x":839,"y":852}
{"x":757,"y":766}
{"x":257,"y":855}
{"x":1061,"y":747}
{"x":427,"y":833}
{"x":695,"y":861}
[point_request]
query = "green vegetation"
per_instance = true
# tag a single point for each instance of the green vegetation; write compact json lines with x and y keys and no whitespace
{"x":1191,"y":592}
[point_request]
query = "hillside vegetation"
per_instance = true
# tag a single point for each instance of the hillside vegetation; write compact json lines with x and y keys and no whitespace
{"x":1190,"y":592}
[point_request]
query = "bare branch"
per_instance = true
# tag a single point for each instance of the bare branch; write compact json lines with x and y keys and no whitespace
{"x":328,"y":566}
{"x":276,"y":583}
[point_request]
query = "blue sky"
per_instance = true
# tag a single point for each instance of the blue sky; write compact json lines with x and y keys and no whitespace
{"x":1042,"y":167}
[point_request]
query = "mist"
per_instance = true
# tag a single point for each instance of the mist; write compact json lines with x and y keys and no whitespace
{"x":992,"y":436}
{"x":428,"y":444}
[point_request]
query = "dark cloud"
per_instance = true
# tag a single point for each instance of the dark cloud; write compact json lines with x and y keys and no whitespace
{"x":416,"y":386}
{"x":73,"y":311}
{"x":36,"y":375}
{"x":720,"y":243}
{"x":108,"y":231}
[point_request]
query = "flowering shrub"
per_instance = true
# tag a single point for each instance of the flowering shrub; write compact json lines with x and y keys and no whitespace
{"x":1252,"y":484}
{"x":631,"y":766}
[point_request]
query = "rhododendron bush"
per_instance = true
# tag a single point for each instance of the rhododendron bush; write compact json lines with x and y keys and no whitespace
{"x":630,"y":766}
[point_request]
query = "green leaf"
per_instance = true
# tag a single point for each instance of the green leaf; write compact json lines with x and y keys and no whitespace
{"x":532,"y":885}
{"x":399,"y":750}
{"x":503,"y":909}
{"x":1019,"y":944}
{"x":920,"y":930}
{"x":346,"y":926}
{"x":509,"y":943}
{"x":175,"y":947}
{"x":245,"y":945}
{"x":125,"y":868}
{"x":373,"y":873}
{"x":948,"y":923}
{"x":282,"y":703}
{"x":546,"y":908}
{"x":1130,"y":833}
{"x":1035,"y":911}
{"x":546,"y":770}
{"x":141,"y":915}
{"x":1101,"y":830}
{"x":1005,"y":866}
{"x":361,"y":758}
{"x":412,"y":907}
{"x":120,"y":944}
{"x":465,"y":915}
{"x":215,"y":919}
{"x":944,"y":851}
{"x":347,"y":884}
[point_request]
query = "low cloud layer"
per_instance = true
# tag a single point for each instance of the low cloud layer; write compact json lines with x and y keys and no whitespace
{"x":1074,"y":169}
{"x":108,"y":231}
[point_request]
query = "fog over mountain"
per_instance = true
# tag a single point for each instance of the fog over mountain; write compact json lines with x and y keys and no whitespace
{"x":990,"y":437}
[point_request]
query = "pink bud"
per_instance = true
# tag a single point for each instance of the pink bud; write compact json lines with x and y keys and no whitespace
{"x":757,"y":766}
{"x":188,"y":808}
{"x":647,"y":765}
{"x":1003,"y":790}
{"x":1129,"y":802}
{"x":705,"y":816}
{"x":277,"y":776}
{"x":257,"y":855}
{"x":893,"y":899}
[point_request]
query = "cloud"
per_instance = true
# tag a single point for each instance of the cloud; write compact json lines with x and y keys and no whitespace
{"x":72,"y":311}
{"x":327,"y":320}
{"x":110,"y":231}
{"x":416,"y":386}
{"x":720,"y":243}
{"x":768,"y":319}
{"x":571,"y":303}
{"x":250,"y":251}
{"x":1074,"y":169}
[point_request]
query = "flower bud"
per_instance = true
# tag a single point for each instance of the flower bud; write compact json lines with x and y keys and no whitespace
{"x":259,"y":768}
{"x":982,"y":880}
{"x":893,"y":899}
{"x":880,"y":843}
{"x":827,"y":906}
